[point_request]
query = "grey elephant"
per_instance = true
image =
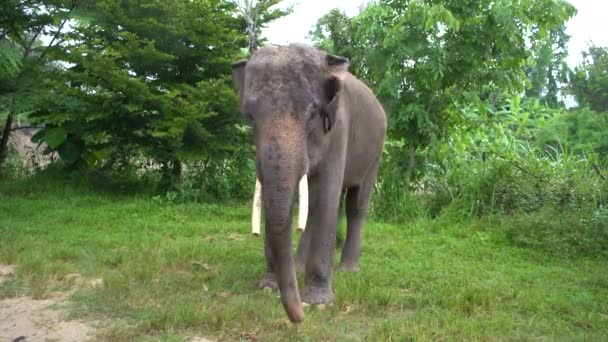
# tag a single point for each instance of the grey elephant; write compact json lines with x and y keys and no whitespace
{"x":311,"y":118}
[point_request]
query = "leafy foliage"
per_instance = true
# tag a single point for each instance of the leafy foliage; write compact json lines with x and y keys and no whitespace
{"x":128,"y":79}
{"x":581,"y":131}
{"x":334,"y":32}
{"x":23,"y":61}
{"x":589,"y":81}
{"x":548,"y":71}
{"x":10,"y":63}
{"x":525,"y":163}
{"x":140,"y":79}
{"x":425,"y":56}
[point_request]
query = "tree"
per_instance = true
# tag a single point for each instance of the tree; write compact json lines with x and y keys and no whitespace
{"x":24,"y":60}
{"x":589,"y":81}
{"x":127,"y":79}
{"x":146,"y":78}
{"x":424,"y":57}
{"x":548,"y":69}
{"x":334,"y":33}
{"x":139,"y":80}
{"x":257,"y":14}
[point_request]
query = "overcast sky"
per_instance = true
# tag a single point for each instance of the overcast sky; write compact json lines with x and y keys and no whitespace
{"x":589,"y":25}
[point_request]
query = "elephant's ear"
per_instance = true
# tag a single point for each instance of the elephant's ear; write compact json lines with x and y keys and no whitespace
{"x":337,"y":63}
{"x":238,"y":75}
{"x":333,"y":86}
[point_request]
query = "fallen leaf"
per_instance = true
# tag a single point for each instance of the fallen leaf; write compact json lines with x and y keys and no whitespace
{"x":250,"y":335}
{"x":346,"y":308}
{"x":235,"y":236}
{"x":95,"y":283}
{"x":207,"y":267}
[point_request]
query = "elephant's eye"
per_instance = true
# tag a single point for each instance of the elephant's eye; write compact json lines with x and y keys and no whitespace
{"x":312,"y":110}
{"x":313,"y":113}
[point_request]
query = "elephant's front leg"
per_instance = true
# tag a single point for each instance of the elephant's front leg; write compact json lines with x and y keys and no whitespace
{"x":304,"y":244}
{"x":325,"y":194}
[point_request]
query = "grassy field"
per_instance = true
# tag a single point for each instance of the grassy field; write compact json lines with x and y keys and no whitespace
{"x":174,"y":271}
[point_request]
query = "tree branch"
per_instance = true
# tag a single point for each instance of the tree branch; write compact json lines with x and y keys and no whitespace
{"x":28,"y":48}
{"x":72,"y":7}
{"x":24,"y":127}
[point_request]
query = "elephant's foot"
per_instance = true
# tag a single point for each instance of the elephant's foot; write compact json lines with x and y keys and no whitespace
{"x":269,"y":282}
{"x":348,"y":267}
{"x":313,"y":295}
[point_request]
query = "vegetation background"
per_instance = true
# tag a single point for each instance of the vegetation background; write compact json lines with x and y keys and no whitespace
{"x":488,"y":219}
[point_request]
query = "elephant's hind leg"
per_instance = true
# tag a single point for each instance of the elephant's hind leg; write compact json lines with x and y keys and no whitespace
{"x":357,"y":203}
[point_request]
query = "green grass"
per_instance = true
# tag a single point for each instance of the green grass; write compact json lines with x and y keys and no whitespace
{"x":173,"y":271}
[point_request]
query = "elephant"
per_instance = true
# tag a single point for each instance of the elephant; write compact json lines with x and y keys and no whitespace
{"x":311,"y":119}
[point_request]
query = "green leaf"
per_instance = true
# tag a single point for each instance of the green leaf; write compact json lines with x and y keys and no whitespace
{"x":54,"y":137}
{"x":69,"y":152}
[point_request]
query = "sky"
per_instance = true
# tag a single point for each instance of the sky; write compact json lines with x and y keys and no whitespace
{"x":589,"y":25}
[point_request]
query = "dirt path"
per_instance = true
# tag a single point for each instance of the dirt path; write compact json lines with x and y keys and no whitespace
{"x":24,"y":319}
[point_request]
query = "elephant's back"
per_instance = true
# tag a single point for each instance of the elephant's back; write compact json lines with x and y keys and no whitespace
{"x":363,"y":107}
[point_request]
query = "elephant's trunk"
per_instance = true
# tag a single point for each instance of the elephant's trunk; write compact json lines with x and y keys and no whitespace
{"x":282,"y":162}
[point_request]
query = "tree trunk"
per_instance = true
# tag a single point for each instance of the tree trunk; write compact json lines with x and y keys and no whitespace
{"x":250,"y":15}
{"x":411,"y":163}
{"x":176,"y":170}
{"x":4,"y":141}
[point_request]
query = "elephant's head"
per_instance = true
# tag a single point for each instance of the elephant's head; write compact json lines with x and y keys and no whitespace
{"x":290,"y":96}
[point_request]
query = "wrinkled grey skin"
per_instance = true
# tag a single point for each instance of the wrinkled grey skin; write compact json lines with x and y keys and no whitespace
{"x":310,"y":116}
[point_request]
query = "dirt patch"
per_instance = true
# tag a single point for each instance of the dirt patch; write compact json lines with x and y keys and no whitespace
{"x":200,"y":339}
{"x":25,"y":319}
{"x":6,"y":271}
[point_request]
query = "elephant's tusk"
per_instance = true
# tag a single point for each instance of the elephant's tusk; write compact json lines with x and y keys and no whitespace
{"x":302,"y":208}
{"x":257,"y":208}
{"x":303,"y":204}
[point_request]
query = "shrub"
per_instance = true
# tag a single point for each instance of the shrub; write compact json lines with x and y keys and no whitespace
{"x":499,"y":162}
{"x":228,"y":179}
{"x":561,"y":233}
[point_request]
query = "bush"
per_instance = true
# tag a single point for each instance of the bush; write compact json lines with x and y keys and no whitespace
{"x":496,"y":163}
{"x":561,"y":233}
{"x":581,"y":130}
{"x":229,"y":179}
{"x":392,"y":199}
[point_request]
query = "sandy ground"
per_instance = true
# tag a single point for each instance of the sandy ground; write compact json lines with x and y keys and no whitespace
{"x":25,"y":319}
